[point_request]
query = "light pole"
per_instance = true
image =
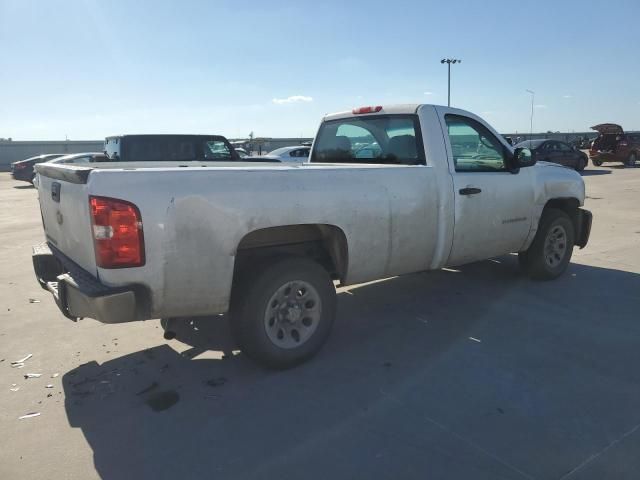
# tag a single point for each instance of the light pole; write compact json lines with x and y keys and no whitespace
{"x":449,"y":61}
{"x":533,"y":96}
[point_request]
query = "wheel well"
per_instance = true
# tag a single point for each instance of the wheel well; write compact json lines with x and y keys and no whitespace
{"x":326,"y":244}
{"x":569,"y":206}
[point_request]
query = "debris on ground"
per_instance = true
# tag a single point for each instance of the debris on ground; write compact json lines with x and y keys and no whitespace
{"x":29,"y":415}
{"x":32,"y":375}
{"x":475,"y":339}
{"x":33,"y":300}
{"x":55,"y":375}
{"x":20,"y":363}
{"x":14,"y":387}
{"x":153,"y":386}
{"x":216,"y":382}
{"x":48,"y":386}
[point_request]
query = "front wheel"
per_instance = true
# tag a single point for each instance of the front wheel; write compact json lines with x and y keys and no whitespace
{"x":631,"y":160}
{"x":283,"y":315}
{"x":597,"y":163}
{"x":550,"y":252}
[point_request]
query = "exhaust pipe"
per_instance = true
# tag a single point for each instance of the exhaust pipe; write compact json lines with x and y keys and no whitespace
{"x":168,"y":327}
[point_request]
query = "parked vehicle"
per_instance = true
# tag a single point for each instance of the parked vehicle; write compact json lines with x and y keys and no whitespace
{"x":558,"y":152}
{"x":167,"y":148}
{"x":242,"y":153}
{"x":297,"y":154}
{"x":23,"y":169}
{"x":614,"y":145}
{"x":265,"y":242}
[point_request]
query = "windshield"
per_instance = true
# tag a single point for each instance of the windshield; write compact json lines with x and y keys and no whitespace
{"x":392,"y":139}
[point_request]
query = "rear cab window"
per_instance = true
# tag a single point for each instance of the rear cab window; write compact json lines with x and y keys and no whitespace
{"x":371,"y":139}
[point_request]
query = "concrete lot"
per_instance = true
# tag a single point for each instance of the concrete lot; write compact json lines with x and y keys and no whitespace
{"x":470,"y":374}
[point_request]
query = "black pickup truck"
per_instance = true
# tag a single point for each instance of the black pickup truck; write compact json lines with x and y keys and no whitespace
{"x":173,"y":147}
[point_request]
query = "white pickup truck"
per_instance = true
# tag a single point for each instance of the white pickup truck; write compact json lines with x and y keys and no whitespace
{"x":387,"y":191}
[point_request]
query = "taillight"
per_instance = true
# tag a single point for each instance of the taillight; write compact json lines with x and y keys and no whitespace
{"x":358,"y":111}
{"x":117,"y":233}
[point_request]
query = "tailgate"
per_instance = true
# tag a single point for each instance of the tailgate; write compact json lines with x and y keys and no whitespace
{"x":64,"y":203}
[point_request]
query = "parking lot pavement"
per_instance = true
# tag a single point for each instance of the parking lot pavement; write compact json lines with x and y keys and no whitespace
{"x":474,"y":373}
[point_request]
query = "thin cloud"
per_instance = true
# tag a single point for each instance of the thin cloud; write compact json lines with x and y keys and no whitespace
{"x":292,"y":99}
{"x":540,"y":106}
{"x":567,"y":96}
{"x":428,"y":93}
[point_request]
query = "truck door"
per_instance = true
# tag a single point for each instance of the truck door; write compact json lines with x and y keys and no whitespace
{"x":493,"y":207}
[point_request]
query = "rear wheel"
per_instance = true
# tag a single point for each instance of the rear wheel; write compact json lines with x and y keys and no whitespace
{"x":550,"y":252}
{"x":631,"y":160}
{"x":283,"y":315}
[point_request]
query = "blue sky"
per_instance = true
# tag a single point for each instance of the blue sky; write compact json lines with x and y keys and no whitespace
{"x":88,"y":68}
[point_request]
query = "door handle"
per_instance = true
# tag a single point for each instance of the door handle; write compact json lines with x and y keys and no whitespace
{"x":469,"y":191}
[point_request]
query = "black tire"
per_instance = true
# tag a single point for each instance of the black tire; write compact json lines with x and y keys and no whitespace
{"x":631,"y":160}
{"x":33,"y":179}
{"x":597,"y":163}
{"x":582,"y":163}
{"x":536,"y":260}
{"x":253,"y":296}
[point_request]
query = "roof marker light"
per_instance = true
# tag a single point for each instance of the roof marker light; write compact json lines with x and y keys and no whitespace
{"x":358,"y":111}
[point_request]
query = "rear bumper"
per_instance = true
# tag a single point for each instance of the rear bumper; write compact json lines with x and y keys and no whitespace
{"x":583,"y":230}
{"x":605,"y":156}
{"x":21,"y":175}
{"x":78,"y":294}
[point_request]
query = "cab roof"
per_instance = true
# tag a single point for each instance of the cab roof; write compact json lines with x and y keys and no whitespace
{"x":407,"y":108}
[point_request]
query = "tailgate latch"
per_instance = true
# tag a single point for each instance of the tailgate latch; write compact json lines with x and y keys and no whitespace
{"x":55,"y":192}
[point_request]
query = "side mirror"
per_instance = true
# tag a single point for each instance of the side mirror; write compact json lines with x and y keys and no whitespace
{"x":522,"y":157}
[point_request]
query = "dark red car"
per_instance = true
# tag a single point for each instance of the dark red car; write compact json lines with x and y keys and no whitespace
{"x":23,"y":169}
{"x":614,"y":145}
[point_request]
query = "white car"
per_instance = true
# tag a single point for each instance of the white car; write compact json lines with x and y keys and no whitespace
{"x":266,"y":241}
{"x":298,"y":154}
{"x":80,"y":158}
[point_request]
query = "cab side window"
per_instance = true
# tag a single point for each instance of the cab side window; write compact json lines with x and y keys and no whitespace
{"x":473,"y":147}
{"x":216,"y":150}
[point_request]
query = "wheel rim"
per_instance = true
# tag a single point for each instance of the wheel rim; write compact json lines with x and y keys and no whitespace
{"x":555,"y":246}
{"x":292,"y":314}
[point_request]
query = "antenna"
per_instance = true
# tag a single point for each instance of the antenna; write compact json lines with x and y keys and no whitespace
{"x":533,"y":96}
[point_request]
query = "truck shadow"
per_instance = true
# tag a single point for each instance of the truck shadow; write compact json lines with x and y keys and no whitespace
{"x":426,"y":372}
